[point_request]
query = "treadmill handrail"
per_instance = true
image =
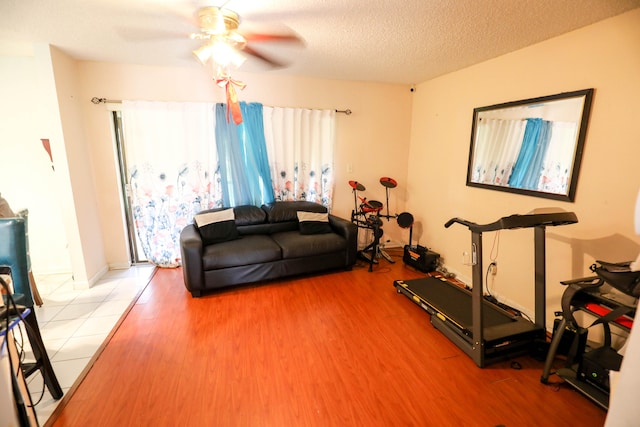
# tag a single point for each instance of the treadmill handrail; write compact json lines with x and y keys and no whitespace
{"x":519,"y":221}
{"x":460,"y":221}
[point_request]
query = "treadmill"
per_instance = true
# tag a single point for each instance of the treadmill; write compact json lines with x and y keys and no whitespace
{"x":483,"y":330}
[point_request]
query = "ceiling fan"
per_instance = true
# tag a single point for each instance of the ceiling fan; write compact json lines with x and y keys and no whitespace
{"x":226,"y":45}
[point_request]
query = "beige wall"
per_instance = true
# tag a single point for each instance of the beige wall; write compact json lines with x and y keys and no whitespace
{"x":604,"y":56}
{"x":373,"y":141}
{"x":40,"y":101}
{"x":421,"y":139}
{"x":79,"y":196}
{"x":29,"y":112}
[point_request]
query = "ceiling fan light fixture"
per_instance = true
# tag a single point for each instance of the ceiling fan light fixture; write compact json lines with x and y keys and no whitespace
{"x":202,"y":54}
{"x":215,"y":21}
{"x":225,"y":55}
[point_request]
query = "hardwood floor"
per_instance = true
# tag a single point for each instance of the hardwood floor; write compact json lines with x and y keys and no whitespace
{"x":339,"y":349}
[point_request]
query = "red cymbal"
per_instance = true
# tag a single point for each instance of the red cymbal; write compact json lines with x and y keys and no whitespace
{"x":388,"y":182}
{"x":370,"y":205}
{"x":356,"y":185}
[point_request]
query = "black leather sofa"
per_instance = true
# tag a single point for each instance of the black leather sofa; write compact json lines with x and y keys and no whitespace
{"x":270,"y":243}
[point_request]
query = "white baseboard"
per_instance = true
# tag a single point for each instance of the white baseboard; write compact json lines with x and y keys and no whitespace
{"x":52,"y":272}
{"x":392,"y":244}
{"x":120,"y":266}
{"x":79,"y":285}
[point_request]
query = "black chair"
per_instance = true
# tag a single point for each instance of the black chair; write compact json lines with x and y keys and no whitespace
{"x":14,"y":259}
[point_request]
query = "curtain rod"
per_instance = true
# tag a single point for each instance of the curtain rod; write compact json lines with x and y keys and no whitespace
{"x":97,"y":101}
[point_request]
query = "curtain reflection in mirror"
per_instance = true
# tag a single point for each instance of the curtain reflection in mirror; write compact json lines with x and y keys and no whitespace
{"x":532,"y":154}
{"x":528,"y":168}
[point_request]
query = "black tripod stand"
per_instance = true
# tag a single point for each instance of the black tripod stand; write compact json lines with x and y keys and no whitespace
{"x":372,"y":251}
{"x":387,"y":183}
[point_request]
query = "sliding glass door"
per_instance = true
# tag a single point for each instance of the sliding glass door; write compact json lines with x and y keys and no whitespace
{"x":136,"y":254}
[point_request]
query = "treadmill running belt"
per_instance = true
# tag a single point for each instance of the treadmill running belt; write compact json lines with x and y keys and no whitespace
{"x":455,"y":302}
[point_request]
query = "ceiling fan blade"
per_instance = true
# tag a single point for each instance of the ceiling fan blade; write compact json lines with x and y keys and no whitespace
{"x":132,"y":34}
{"x":265,"y":37}
{"x":274,"y":63}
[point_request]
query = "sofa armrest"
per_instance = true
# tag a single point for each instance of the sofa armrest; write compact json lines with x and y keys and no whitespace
{"x":349,"y":231}
{"x":191,"y":249}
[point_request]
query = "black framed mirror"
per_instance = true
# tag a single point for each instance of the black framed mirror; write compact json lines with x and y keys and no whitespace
{"x":533,"y":146}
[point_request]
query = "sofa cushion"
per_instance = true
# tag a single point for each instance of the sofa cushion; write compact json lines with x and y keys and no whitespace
{"x":296,"y":245}
{"x":243,"y":251}
{"x":249,"y":215}
{"x":216,"y":226}
{"x":314,"y":223}
{"x":288,"y":211}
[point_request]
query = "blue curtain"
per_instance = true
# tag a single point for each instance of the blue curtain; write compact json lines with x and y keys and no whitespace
{"x":527,"y":151}
{"x":242,"y":153}
{"x":534,"y":171}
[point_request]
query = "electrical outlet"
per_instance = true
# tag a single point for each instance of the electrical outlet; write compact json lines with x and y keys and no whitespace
{"x":494,"y":268}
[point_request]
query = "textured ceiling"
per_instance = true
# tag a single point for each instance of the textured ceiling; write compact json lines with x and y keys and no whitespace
{"x":401,"y":41}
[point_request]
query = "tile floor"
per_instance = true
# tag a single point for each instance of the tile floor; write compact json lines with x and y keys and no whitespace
{"x":74,"y":323}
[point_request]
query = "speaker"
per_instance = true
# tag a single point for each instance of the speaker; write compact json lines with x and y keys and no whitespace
{"x":420,"y":258}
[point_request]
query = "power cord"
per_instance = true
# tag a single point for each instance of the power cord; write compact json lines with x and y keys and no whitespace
{"x":13,"y":307}
{"x":21,"y":406}
{"x":490,"y":268}
{"x":495,"y":246}
{"x":493,"y":256}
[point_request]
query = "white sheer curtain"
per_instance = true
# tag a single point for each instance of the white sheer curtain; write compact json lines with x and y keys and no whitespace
{"x":171,"y":165}
{"x":558,"y":162}
{"x":300,"y":144}
{"x":497,"y":145}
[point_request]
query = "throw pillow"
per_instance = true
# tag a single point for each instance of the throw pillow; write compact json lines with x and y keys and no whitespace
{"x":314,"y":223}
{"x":216,"y":227}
